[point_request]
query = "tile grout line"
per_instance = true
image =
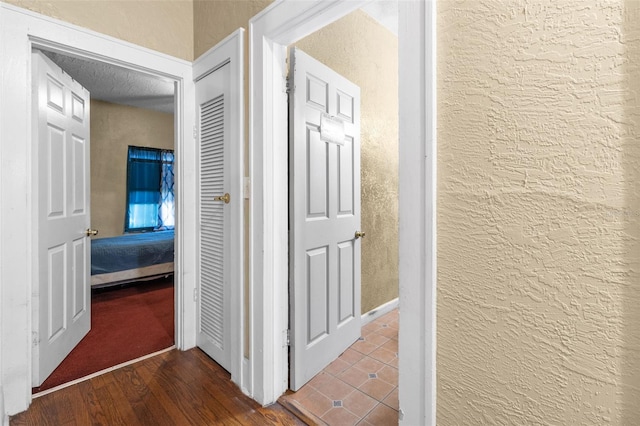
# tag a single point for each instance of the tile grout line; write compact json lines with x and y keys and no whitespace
{"x":377,"y":401}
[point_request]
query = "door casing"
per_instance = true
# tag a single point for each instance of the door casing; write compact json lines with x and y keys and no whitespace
{"x":270,"y":32}
{"x":20,"y":31}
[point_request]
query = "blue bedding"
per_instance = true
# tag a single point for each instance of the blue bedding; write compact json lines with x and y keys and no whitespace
{"x":131,"y":251}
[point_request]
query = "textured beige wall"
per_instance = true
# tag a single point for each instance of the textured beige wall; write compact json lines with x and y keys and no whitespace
{"x":538,"y":212}
{"x":366,"y":53}
{"x":165,"y":26}
{"x":113,"y":129}
{"x":216,"y":19}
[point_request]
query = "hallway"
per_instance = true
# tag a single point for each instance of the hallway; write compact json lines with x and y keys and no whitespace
{"x":360,"y":387}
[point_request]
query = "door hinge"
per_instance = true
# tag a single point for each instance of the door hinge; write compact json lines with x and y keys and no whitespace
{"x":195,"y":294}
{"x":287,"y":85}
{"x":287,"y":337}
{"x":195,"y":132}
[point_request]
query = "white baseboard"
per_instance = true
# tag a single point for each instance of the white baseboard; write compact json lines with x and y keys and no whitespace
{"x":245,"y":386}
{"x":379,"y":311}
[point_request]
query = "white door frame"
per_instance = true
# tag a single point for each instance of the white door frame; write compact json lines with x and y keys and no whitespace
{"x":270,"y":32}
{"x":20,"y":30}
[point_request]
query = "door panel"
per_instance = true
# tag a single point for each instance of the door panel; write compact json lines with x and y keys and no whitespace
{"x":324,"y":216}
{"x":317,"y":304}
{"x":79,"y":172}
{"x":214,"y":331}
{"x":56,"y":171}
{"x":318,"y":176}
{"x":56,"y":287}
{"x":77,"y":108}
{"x":62,"y":309}
{"x":80,"y":290}
{"x":345,"y":178}
{"x":346,"y":289}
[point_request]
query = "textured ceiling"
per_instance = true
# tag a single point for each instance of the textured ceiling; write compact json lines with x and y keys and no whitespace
{"x":385,"y":12}
{"x":118,"y":85}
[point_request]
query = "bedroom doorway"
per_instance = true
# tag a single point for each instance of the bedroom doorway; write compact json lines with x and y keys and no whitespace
{"x":132,"y":287}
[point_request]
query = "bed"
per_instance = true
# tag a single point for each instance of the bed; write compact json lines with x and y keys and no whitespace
{"x":131,"y":257}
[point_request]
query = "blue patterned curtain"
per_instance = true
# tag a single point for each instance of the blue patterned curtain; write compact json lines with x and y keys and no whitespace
{"x":149,"y":189}
{"x":166,"y":214}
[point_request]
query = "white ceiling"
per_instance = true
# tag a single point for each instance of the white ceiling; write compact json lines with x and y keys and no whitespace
{"x":118,"y":85}
{"x":385,"y":12}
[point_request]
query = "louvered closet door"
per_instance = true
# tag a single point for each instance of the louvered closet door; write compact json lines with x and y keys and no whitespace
{"x":212,"y":95}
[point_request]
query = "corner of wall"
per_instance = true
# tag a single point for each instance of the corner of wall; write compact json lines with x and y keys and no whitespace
{"x":5,"y":417}
{"x":193,"y":30}
{"x":381,"y":310}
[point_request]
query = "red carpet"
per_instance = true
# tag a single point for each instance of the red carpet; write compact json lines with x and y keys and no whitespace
{"x":126,"y":323}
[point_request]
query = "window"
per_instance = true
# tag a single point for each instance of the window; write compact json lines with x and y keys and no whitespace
{"x":149,"y":190}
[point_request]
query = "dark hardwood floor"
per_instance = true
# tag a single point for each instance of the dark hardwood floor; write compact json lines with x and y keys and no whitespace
{"x":173,"y":388}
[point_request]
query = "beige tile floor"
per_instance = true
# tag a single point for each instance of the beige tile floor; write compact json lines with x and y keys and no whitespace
{"x":361,"y":386}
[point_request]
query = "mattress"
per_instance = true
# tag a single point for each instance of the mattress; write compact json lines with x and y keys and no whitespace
{"x":132,"y":275}
{"x":131,"y":251}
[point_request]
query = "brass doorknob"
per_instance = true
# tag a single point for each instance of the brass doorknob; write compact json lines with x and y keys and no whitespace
{"x":90,"y":232}
{"x":360,"y":234}
{"x":226,"y":198}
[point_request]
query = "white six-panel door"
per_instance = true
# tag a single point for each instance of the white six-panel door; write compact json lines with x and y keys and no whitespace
{"x":61,"y":300}
{"x":212,"y":104}
{"x":324,"y":217}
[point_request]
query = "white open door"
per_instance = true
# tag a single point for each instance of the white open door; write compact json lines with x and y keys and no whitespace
{"x":212,"y":114}
{"x":324,"y":172}
{"x":62,"y":298}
